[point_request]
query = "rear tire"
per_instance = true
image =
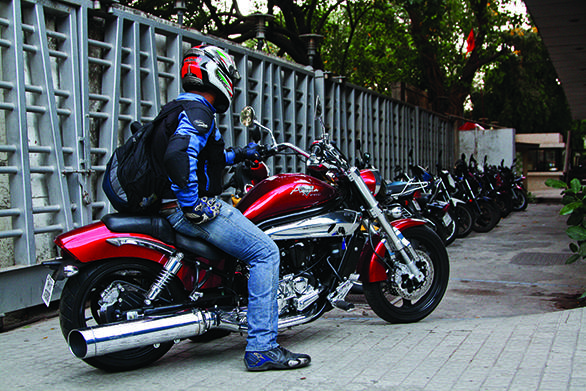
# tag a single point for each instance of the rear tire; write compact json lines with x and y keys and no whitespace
{"x":389,"y":305}
{"x":81,"y":300}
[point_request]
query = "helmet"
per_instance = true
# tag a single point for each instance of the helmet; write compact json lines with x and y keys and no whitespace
{"x":209,"y":68}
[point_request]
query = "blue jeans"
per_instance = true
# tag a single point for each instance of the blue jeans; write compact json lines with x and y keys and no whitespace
{"x":239,"y":237}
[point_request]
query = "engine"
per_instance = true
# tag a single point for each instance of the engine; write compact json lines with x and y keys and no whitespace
{"x":305,"y":266}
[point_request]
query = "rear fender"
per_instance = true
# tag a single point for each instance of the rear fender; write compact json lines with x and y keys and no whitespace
{"x":96,"y":242}
{"x":371,"y":264}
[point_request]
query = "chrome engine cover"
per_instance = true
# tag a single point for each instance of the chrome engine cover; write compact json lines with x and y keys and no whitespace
{"x":295,"y":294}
{"x":338,"y":223}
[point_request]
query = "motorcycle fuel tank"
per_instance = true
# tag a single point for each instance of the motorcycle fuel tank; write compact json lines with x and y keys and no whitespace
{"x":284,"y":193}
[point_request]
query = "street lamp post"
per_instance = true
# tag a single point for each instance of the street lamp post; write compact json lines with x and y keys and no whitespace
{"x":312,"y":41}
{"x":261,"y":27}
{"x":180,"y":8}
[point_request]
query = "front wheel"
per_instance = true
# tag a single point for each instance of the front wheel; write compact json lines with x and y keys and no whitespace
{"x":464,"y":220}
{"x":99,"y":295}
{"x":519,"y":199}
{"x":487,"y":216}
{"x":393,"y":302}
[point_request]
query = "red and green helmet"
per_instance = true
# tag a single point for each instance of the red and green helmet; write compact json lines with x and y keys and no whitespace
{"x":210,"y":68}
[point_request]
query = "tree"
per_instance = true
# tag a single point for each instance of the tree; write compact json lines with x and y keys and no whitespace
{"x":521,"y":90}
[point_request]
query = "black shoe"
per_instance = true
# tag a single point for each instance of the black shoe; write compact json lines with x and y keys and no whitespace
{"x":277,"y":358}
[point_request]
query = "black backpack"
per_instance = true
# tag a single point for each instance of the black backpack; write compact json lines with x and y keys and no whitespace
{"x":135,"y":181}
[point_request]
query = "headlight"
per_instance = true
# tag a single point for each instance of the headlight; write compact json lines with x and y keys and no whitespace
{"x":396,"y":212}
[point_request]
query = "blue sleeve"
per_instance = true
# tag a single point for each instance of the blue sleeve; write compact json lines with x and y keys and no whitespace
{"x":188,"y":196}
{"x":230,"y":157}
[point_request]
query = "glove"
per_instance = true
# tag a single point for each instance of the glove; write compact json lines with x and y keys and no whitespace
{"x":206,"y":209}
{"x":249,"y":152}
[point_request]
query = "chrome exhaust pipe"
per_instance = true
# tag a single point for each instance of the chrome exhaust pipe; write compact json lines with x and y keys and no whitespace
{"x":110,"y":338}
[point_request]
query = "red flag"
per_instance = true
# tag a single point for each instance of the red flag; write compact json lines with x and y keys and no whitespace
{"x":470,"y":41}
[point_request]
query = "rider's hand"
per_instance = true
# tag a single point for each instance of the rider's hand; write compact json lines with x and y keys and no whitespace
{"x":205,"y":210}
{"x":249,"y":152}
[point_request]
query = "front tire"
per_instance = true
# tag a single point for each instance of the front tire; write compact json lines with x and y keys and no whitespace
{"x":81,"y":302}
{"x":519,"y":199}
{"x":487,"y":217}
{"x":464,"y":220}
{"x":386,"y":301}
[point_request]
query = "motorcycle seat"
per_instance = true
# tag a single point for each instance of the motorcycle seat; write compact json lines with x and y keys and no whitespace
{"x":401,"y":188}
{"x":159,"y":228}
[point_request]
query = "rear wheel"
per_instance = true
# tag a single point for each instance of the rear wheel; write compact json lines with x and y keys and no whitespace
{"x":446,"y":233}
{"x":392,"y":301}
{"x":100,"y":295}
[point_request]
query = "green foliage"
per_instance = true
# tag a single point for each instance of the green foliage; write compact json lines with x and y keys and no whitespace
{"x":574,"y":201}
{"x":521,"y":90}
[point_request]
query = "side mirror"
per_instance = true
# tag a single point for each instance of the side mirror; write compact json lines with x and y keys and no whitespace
{"x":247,"y":116}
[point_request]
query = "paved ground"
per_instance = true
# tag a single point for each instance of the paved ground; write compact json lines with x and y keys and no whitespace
{"x":500,"y":327}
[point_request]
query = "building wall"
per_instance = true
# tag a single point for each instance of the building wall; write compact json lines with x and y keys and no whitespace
{"x":497,"y":145}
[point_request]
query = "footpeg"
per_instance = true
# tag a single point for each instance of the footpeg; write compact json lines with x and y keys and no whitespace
{"x":344,"y":305}
{"x":337,"y":298}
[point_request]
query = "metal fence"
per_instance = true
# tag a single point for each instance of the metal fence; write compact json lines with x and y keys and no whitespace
{"x":72,"y":79}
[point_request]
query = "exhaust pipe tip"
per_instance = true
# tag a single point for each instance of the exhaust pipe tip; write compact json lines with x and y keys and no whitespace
{"x":77,"y":344}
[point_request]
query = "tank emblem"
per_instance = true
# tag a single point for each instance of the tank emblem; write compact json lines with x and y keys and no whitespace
{"x":305,"y":190}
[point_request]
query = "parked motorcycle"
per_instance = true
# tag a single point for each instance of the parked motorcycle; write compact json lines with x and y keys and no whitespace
{"x":417,"y":198}
{"x":492,"y":185}
{"x":485,"y":212}
{"x":515,"y":182}
{"x":135,"y":286}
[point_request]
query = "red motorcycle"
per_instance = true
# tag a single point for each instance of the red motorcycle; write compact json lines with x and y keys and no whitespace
{"x":135,"y":287}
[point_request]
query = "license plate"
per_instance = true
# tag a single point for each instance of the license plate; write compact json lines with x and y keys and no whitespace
{"x":416,"y":205}
{"x":48,"y":290}
{"x":447,"y":219}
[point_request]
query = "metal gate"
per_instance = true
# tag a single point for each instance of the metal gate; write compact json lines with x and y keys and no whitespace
{"x":72,"y":79}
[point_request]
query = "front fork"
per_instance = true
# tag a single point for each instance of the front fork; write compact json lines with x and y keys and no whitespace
{"x":399,"y":242}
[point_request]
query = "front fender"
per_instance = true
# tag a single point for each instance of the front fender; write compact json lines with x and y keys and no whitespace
{"x":371,"y":265}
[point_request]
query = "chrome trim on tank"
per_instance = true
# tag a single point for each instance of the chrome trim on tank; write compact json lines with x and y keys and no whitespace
{"x":338,"y":223}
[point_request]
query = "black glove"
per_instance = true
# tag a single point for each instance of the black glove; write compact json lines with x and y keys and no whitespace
{"x":204,"y":210}
{"x":249,"y":152}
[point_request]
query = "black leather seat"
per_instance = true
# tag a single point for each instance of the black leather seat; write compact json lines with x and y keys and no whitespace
{"x":159,"y":228}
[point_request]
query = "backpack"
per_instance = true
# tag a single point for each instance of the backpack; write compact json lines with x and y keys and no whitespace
{"x":134,"y":180}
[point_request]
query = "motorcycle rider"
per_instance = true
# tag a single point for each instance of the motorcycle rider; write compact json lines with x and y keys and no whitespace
{"x":194,"y":160}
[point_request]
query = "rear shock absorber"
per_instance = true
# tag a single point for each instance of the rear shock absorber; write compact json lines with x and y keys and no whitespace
{"x":170,"y":269}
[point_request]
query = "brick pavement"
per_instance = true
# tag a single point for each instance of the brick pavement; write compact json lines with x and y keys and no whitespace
{"x":530,"y":352}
